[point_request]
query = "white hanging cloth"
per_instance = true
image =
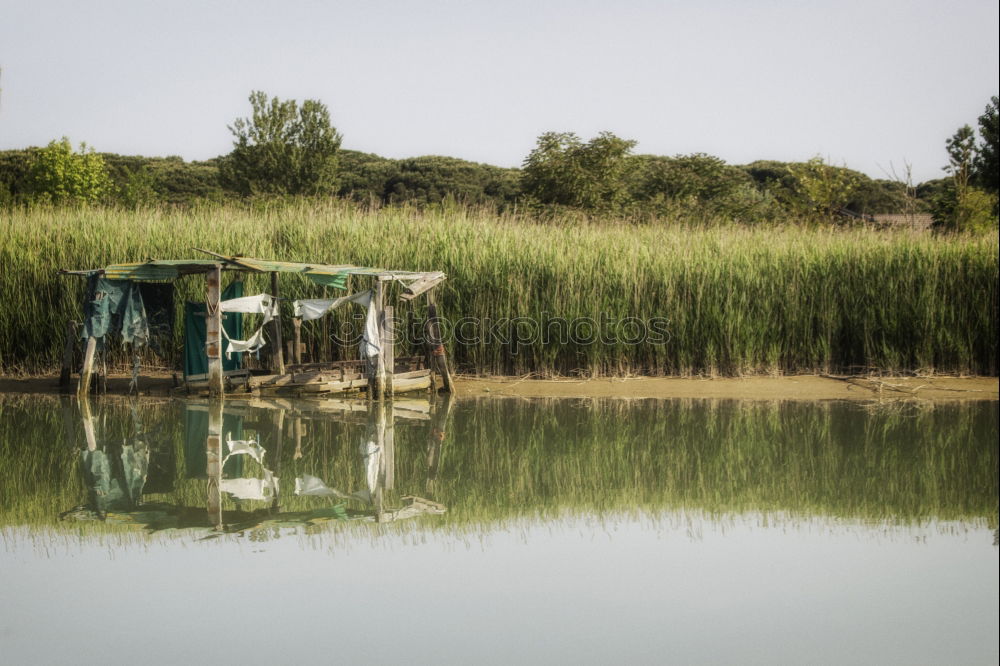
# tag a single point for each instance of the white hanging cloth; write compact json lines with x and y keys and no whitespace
{"x":264,"y":304}
{"x":371,"y":337}
{"x":314,"y":308}
{"x":252,"y":344}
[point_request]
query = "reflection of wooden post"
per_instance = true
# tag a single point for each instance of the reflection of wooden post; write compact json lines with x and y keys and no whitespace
{"x":435,"y":442}
{"x":213,"y":457}
{"x":388,"y":350}
{"x":87,"y":371}
{"x":277,"y":360}
{"x":279,"y":436}
{"x":297,"y":425}
{"x":88,"y":424}
{"x":213,"y":330}
{"x":435,"y":344}
{"x":67,"y":361}
{"x":389,"y":448}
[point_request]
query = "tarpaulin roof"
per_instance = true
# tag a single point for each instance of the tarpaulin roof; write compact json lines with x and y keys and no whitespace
{"x":158,"y":270}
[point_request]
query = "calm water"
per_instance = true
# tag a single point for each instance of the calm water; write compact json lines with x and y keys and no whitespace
{"x":495,"y":531}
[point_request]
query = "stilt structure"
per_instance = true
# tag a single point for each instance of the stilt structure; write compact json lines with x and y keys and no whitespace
{"x":214,"y":340}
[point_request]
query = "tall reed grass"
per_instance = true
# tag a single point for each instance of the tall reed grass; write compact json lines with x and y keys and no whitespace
{"x":735,"y":300}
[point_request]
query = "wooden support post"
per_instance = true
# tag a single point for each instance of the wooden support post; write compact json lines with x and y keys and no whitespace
{"x":67,"y":360}
{"x":436,"y":355}
{"x":277,"y":360}
{"x":388,"y":350}
{"x":376,"y":371}
{"x":324,"y":342}
{"x":87,"y":371}
{"x":213,"y":468}
{"x":213,"y":331}
{"x":297,"y":338}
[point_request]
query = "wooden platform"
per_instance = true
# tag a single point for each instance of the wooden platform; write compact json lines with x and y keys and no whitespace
{"x":311,"y":379}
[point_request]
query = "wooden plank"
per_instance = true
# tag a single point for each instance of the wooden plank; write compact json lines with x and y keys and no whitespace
{"x":422,"y":285}
{"x":413,"y":373}
{"x":87,"y":371}
{"x":213,"y":331}
{"x":67,"y":361}
{"x":415,"y":384}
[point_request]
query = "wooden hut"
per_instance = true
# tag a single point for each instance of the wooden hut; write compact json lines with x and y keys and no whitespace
{"x":119,"y":299}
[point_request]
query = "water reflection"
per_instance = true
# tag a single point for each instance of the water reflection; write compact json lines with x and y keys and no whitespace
{"x":314,"y":465}
{"x":243,"y":482}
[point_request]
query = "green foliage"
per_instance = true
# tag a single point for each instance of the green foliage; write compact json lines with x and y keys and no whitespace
{"x":738,"y":300}
{"x":564,"y":171}
{"x":139,"y":189}
{"x":698,"y":185}
{"x":282,"y":149}
{"x":973,"y":211}
{"x":172,"y":180}
{"x":987,"y":168}
{"x":60,"y":176}
{"x":824,"y":189}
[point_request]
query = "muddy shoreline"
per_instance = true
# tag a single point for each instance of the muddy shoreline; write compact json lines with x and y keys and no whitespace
{"x":788,"y":387}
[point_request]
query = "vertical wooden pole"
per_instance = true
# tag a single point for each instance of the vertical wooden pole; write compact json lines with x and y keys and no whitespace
{"x":388,"y":349}
{"x":376,"y":371}
{"x":435,"y":345}
{"x":213,"y":468}
{"x":324,"y":343}
{"x":297,"y":340}
{"x":87,"y":371}
{"x":213,"y":331}
{"x":67,"y":360}
{"x":277,"y":360}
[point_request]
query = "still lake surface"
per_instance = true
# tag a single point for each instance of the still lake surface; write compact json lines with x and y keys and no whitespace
{"x":497,"y":531}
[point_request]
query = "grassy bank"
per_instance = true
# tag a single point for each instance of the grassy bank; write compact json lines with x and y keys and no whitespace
{"x":718,"y":300}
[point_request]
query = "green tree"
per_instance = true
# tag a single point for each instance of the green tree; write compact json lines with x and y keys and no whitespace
{"x":282,"y":148}
{"x":824,"y":189}
{"x":59,"y":175}
{"x":563,"y":170}
{"x":961,"y":206}
{"x":987,"y":169}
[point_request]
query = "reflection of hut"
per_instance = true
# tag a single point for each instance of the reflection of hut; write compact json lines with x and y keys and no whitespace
{"x":135,"y":299}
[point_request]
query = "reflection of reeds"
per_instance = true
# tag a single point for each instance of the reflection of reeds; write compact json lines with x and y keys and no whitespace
{"x":735,"y":299}
{"x":505,"y":460}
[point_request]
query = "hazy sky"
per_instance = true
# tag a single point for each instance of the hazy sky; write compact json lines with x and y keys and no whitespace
{"x":862,"y":83}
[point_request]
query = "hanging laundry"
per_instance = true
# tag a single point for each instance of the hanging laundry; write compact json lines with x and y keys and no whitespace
{"x":314,"y":308}
{"x":264,"y":304}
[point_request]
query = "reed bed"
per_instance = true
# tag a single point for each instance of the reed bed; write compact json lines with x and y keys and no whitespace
{"x":730,"y":300}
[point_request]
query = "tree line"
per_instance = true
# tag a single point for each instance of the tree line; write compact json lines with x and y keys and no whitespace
{"x":285,"y":149}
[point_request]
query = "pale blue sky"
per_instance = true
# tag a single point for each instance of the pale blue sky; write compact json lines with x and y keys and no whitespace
{"x":862,"y":83}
